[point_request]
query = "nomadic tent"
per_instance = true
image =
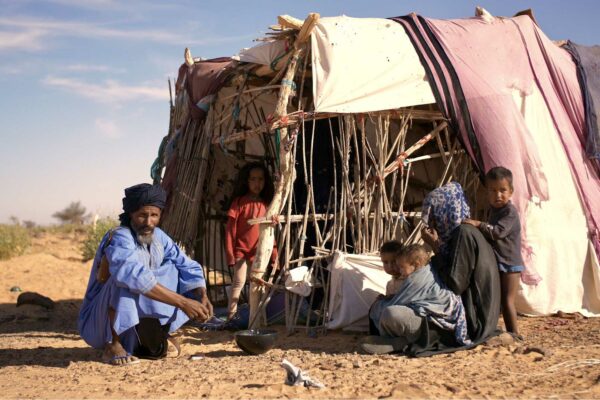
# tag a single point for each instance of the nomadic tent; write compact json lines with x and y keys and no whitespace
{"x":358,"y":119}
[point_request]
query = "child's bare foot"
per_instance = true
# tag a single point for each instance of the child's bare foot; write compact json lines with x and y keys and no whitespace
{"x":231,"y":314}
{"x":518,"y":337}
{"x":115,"y":354}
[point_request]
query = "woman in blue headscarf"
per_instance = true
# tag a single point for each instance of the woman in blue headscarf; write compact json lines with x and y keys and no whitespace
{"x":464,"y":259}
{"x":465,"y":264}
{"x":444,"y":209}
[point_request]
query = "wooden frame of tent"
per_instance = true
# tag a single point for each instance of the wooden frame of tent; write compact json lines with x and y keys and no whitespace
{"x":375,"y":156}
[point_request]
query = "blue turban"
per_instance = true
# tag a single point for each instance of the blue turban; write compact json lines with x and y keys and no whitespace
{"x":142,"y":195}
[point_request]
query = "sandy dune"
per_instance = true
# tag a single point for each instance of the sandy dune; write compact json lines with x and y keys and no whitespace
{"x":41,"y":354}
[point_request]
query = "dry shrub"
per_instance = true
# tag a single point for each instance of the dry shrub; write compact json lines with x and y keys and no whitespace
{"x":14,"y":240}
{"x":94,"y":235}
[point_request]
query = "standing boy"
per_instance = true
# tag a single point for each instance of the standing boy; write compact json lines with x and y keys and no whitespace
{"x":503,"y":230}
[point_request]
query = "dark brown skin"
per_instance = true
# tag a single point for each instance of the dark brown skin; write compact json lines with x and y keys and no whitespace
{"x":509,"y":284}
{"x":115,"y":349}
{"x":143,"y":222}
{"x":430,"y":236}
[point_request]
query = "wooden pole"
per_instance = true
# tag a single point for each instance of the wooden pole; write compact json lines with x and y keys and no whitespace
{"x":286,"y":174}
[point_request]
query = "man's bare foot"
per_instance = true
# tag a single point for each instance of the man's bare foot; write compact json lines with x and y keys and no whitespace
{"x":115,"y":354}
{"x":173,"y":347}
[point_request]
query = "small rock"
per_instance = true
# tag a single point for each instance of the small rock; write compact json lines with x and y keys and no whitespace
{"x":357,"y":364}
{"x":376,"y":362}
{"x":407,"y":391}
{"x":575,"y":316}
{"x":539,"y":350}
{"x":451,"y":388}
{"x":16,"y":289}
{"x":327,"y":367}
{"x":35,"y":299}
{"x":504,"y":339}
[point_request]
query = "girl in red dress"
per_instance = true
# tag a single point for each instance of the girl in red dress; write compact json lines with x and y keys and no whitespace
{"x":251,"y":198}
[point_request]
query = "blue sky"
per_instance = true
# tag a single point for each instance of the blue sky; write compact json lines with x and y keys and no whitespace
{"x":83,"y":83}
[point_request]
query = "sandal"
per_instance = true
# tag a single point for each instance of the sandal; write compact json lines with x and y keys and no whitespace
{"x":129,"y":360}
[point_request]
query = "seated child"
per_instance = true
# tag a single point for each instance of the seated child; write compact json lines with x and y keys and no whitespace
{"x":388,"y":253}
{"x":503,"y":230}
{"x":409,"y":259}
{"x":424,"y":293}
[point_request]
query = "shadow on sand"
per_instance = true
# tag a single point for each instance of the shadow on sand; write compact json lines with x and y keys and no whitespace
{"x":34,"y":324}
{"x":62,"y":319}
{"x":58,"y":357}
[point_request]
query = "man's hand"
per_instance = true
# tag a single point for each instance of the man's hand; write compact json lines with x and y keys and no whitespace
{"x":200,"y":310}
{"x":473,"y":222}
{"x":206,"y":303}
{"x":203,"y":296}
{"x":196,"y":310}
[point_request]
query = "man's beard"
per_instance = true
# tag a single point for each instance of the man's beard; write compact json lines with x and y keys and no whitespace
{"x":145,"y":238}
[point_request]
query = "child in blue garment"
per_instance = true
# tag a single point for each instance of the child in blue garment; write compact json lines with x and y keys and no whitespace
{"x":503,"y":230}
{"x":421,"y":297}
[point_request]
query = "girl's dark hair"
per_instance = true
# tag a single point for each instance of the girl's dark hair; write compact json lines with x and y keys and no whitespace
{"x":498,"y":173}
{"x":241,"y":186}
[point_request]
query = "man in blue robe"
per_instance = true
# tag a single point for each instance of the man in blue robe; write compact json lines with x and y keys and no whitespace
{"x":149,"y":290}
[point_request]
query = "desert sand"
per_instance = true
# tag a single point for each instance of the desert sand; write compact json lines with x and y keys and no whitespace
{"x":42,"y":356}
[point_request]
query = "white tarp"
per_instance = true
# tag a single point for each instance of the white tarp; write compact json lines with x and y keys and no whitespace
{"x":264,"y":53}
{"x":557,"y":229}
{"x":355,"y":282}
{"x":365,"y":64}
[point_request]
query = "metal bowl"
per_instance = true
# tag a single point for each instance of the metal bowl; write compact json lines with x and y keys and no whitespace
{"x":256,"y":341}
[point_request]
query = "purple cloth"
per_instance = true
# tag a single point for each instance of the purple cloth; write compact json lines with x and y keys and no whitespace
{"x":474,"y":66}
{"x":587,"y":59}
{"x":202,"y":81}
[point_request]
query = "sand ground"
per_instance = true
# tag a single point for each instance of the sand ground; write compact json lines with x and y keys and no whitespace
{"x":42,"y":356}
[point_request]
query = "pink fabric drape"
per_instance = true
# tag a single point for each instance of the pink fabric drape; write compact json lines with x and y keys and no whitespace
{"x":474,"y":67}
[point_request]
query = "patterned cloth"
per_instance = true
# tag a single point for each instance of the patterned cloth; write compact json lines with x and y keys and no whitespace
{"x":444,"y":209}
{"x":456,"y":321}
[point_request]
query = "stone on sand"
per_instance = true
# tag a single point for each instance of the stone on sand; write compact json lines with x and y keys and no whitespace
{"x":34,"y":298}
